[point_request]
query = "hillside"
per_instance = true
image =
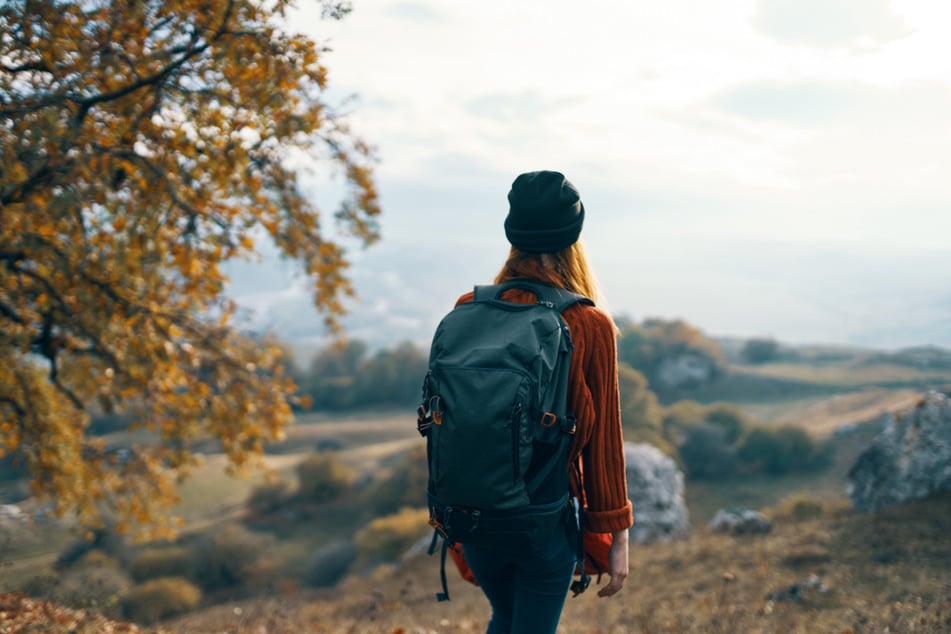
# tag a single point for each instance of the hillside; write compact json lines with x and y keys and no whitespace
{"x":882,"y":571}
{"x":822,"y":569}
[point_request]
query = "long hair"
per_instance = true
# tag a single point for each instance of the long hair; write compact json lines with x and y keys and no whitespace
{"x":568,"y":269}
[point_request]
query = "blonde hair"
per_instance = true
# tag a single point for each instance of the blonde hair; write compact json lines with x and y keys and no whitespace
{"x":568,"y":269}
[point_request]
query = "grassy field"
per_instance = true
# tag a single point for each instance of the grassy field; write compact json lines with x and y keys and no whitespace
{"x":889,"y":570}
{"x":838,"y":572}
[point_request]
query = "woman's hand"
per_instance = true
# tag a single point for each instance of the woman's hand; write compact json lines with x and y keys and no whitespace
{"x":618,"y":559}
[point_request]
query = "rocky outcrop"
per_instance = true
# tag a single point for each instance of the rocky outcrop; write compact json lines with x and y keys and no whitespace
{"x":656,"y":488}
{"x":684,"y":371}
{"x":740,"y":522}
{"x":910,"y":459}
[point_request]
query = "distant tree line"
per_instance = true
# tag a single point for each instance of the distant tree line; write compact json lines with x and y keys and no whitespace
{"x":714,"y":441}
{"x":709,"y":441}
{"x":346,"y":376}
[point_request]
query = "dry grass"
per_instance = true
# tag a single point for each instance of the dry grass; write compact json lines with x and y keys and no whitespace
{"x":822,"y":416}
{"x":880,"y":573}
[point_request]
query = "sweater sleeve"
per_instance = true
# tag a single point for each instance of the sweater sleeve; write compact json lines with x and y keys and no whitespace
{"x":603,"y":470}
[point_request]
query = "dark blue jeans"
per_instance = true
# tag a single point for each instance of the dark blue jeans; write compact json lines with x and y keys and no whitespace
{"x":526,"y":590}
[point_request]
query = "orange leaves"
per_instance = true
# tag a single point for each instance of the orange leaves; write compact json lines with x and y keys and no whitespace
{"x":134,"y":166}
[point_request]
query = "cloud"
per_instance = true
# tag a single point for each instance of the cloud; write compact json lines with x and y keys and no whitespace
{"x":518,"y":106}
{"x":830,"y":23}
{"x":804,"y":102}
{"x":416,"y":11}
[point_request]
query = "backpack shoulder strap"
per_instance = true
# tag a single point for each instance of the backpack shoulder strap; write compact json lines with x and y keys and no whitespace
{"x":557,"y":298}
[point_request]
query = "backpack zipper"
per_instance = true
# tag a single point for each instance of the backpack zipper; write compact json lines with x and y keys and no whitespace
{"x":516,"y":411}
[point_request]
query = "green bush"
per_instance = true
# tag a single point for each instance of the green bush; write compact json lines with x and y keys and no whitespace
{"x":159,"y":599}
{"x":760,"y":350}
{"x":639,"y":406}
{"x":41,"y":586}
{"x":322,"y":478}
{"x":165,"y":561}
{"x":225,"y":559}
{"x":705,"y":452}
{"x":268,"y":497}
{"x":682,"y":414}
{"x":404,"y":486}
{"x":730,"y":418}
{"x":95,"y":588}
{"x":779,"y":450}
{"x":331,"y":564}
{"x":106,"y":539}
{"x":388,"y":538}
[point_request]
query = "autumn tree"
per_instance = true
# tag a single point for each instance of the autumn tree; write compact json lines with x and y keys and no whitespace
{"x":143,"y":144}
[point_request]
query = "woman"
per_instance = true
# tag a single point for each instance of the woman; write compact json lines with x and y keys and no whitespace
{"x":527,"y":594}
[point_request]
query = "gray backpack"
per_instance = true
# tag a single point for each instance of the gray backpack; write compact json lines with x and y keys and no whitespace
{"x":495,"y":418}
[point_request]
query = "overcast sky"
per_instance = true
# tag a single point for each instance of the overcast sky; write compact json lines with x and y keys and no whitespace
{"x":756,"y":167}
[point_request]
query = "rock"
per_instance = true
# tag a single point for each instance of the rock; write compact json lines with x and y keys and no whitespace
{"x":685,"y":370}
{"x":798,"y":590}
{"x":845,"y":429}
{"x":910,"y":459}
{"x":740,"y":522}
{"x":656,"y":488}
{"x":11,"y":513}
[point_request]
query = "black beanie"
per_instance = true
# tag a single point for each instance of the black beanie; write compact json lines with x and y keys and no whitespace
{"x":545,"y":212}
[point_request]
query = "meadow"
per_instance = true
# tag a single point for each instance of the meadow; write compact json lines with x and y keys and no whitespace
{"x":823,"y":567}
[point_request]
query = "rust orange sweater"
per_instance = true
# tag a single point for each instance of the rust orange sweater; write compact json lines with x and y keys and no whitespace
{"x":593,"y":397}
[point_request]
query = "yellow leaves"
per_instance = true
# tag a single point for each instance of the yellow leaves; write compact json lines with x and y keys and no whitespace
{"x":142,"y":201}
{"x":17,"y":173}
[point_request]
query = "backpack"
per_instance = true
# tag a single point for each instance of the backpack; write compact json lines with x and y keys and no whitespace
{"x":494,"y":415}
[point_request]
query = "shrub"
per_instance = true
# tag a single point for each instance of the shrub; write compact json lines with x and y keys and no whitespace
{"x":760,"y":350}
{"x":268,"y":497}
{"x":388,"y":538}
{"x":322,"y":478}
{"x":682,"y":414}
{"x":705,"y":453}
{"x":639,"y":406}
{"x":779,"y":450}
{"x":88,"y":587}
{"x":105,"y":539}
{"x":165,"y":561}
{"x":729,"y":418}
{"x":797,"y":508}
{"x":97,"y":559}
{"x":405,"y":486}
{"x":160,"y":598}
{"x":226,"y":558}
{"x":41,"y":586}
{"x":331,"y":563}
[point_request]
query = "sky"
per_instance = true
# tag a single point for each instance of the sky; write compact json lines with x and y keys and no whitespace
{"x":757,"y":168}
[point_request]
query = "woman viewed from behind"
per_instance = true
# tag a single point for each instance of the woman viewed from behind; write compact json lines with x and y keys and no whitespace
{"x":527,"y":592}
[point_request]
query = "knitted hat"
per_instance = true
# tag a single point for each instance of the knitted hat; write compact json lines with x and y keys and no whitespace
{"x":545,"y":212}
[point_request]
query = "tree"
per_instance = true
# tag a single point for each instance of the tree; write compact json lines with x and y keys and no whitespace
{"x":656,"y":347}
{"x":641,"y":414}
{"x":143,"y":145}
{"x":759,"y":350}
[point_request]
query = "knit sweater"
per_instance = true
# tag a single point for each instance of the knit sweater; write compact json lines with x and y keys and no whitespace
{"x":601,"y":482}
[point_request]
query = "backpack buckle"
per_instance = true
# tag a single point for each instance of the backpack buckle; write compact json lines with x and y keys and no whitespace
{"x":569,"y":424}
{"x":423,"y":420}
{"x":436,"y":409}
{"x":548,"y":419}
{"x":439,"y":526}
